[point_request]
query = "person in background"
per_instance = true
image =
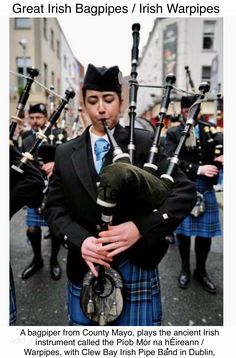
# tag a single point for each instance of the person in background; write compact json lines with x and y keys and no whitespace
{"x":25,"y":189}
{"x":44,"y":159}
{"x":201,"y":166}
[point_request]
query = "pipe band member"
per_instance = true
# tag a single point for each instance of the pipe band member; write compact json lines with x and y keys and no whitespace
{"x":45,"y":155}
{"x":131,"y":242}
{"x":26,"y":189}
{"x":199,"y":162}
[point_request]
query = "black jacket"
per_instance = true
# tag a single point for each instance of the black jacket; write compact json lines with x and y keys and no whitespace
{"x":45,"y":152}
{"x":72,"y":212}
{"x":192,"y":158}
{"x":27,"y":188}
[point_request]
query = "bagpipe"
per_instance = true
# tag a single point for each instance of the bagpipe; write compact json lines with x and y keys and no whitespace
{"x":32,"y":72}
{"x":189,"y":79}
{"x":43,"y":134}
{"x":51,"y":103}
{"x":61,"y":135}
{"x":58,"y":133}
{"x":46,"y":153}
{"x":214,"y":137}
{"x":101,"y":297}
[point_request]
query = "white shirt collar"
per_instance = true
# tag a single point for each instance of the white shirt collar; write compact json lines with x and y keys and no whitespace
{"x":94,"y":137}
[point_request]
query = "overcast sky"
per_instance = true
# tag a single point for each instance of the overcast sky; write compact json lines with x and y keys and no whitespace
{"x":106,"y":41}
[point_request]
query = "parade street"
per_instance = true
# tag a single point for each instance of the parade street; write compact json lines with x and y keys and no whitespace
{"x":42,"y":301}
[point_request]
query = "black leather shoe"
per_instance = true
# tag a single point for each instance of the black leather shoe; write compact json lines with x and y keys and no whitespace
{"x":184,"y":278}
{"x":204,"y":281}
{"x":170,"y":239}
{"x":47,"y":235}
{"x":32,"y":269}
{"x":55,"y":270}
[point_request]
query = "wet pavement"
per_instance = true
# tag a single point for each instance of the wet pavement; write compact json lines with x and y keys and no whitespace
{"x":42,"y":301}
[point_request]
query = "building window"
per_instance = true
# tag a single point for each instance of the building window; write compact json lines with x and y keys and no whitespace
{"x":22,"y":64}
{"x":45,"y":74}
{"x":52,"y":39}
{"x":74,"y":72}
{"x":58,"y":50}
{"x":22,"y":23}
{"x":208,"y":35}
{"x":45,"y":28}
{"x":52,"y":78}
{"x":65,"y":61}
{"x":206,"y":74}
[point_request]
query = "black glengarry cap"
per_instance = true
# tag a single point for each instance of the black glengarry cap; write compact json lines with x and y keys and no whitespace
{"x":38,"y":108}
{"x":103,"y":79}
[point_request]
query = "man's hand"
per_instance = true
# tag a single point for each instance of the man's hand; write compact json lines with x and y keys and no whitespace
{"x":220,"y":159}
{"x":118,"y":238}
{"x":208,"y":170}
{"x":93,"y":253}
{"x":48,"y":168}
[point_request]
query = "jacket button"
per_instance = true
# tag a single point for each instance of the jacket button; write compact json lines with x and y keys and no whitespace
{"x":165,"y":216}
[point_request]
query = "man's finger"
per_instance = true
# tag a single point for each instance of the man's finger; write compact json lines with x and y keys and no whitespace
{"x":92,"y":268}
{"x":117,"y":251}
{"x":107,"y":240}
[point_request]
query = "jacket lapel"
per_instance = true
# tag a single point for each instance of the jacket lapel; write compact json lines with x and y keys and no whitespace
{"x":121,"y":136}
{"x":81,"y":164}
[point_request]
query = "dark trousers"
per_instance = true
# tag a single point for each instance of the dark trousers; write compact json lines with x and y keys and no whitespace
{"x":34,"y":235}
{"x":202,"y":248}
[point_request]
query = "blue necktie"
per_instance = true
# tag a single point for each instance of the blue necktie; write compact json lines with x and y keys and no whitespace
{"x":101,"y":147}
{"x":196,"y":130}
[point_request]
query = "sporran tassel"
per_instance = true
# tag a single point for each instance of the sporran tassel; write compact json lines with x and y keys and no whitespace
{"x":102,"y":320}
{"x":113,"y":310}
{"x":90,"y":306}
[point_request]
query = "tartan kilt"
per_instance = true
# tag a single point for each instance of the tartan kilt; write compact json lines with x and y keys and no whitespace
{"x":12,"y":301}
{"x":208,"y":224}
{"x":142,"y":299}
{"x":34,"y":219}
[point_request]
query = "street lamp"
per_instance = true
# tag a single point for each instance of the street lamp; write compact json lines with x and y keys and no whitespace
{"x":23,"y":43}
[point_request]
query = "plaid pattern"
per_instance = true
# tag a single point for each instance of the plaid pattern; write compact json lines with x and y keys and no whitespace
{"x":142,"y":300}
{"x":12,"y":303}
{"x":207,"y":224}
{"x":34,"y":219}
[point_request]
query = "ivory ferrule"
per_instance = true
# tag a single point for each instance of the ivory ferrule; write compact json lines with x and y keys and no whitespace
{"x":16,"y":119}
{"x":20,"y":106}
{"x":105,"y":204}
{"x":40,"y":135}
{"x":106,"y":218}
{"x":149,"y":165}
{"x":131,"y":146}
{"x":166,"y":176}
{"x":174,"y":160}
{"x":120,"y":156}
{"x":26,"y":156}
{"x":163,"y":110}
{"x":190,"y":121}
{"x":153,"y":149}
